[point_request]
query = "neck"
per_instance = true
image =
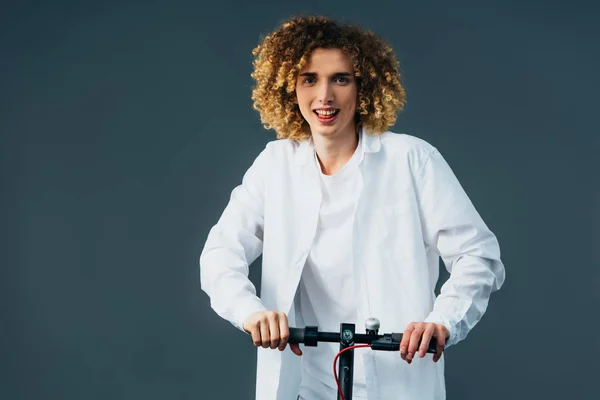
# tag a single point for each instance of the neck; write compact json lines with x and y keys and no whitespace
{"x":334,"y":152}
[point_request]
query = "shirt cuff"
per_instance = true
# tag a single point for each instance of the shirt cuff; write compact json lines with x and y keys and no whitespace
{"x":438,"y":319}
{"x":244,"y":310}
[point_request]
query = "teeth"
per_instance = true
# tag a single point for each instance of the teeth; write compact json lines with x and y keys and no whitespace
{"x":323,"y":112}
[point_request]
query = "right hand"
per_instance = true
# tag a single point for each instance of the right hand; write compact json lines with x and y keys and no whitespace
{"x":270,"y":329}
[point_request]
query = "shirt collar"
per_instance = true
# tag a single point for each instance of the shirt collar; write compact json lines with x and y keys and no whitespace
{"x":370,"y":144}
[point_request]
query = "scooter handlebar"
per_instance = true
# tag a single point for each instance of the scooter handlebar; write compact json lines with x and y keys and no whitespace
{"x":296,"y":336}
{"x":310,"y":336}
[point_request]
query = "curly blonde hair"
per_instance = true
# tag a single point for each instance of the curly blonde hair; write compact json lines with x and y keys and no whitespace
{"x":280,"y":56}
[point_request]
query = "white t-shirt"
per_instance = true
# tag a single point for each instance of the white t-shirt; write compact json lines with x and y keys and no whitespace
{"x":326,"y":292}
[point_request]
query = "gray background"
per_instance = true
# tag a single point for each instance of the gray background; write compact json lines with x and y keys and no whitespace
{"x":124,"y":126}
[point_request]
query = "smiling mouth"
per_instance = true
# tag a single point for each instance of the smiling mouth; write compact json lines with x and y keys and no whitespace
{"x":325,"y":114}
{"x":327,"y":117}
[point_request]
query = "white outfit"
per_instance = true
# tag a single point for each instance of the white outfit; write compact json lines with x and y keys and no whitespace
{"x":326,"y":292}
{"x":410,"y":210}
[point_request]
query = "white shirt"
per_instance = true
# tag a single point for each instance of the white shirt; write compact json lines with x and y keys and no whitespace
{"x":410,"y":212}
{"x":327,"y":296}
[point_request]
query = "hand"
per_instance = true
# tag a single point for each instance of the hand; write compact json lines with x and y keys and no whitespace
{"x":270,"y":329}
{"x":422,"y":332}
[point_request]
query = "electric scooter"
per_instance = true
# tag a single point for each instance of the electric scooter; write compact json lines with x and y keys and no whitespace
{"x":349,"y":340}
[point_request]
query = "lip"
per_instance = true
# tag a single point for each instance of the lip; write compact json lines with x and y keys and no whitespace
{"x":325,"y":108}
{"x":327,"y":121}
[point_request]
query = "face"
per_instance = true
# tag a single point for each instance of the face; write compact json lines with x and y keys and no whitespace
{"x":326,"y":92}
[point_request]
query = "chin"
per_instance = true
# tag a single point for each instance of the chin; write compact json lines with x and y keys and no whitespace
{"x":330,"y":130}
{"x":327,"y":131}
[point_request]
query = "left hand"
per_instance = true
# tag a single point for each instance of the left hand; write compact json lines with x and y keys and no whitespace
{"x":422,"y":332}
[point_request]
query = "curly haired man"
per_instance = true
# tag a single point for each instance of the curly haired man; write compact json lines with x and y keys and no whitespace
{"x":351,"y":220}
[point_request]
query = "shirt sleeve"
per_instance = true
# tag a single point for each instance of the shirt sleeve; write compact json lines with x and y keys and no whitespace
{"x":233,"y":244}
{"x":470,"y":251}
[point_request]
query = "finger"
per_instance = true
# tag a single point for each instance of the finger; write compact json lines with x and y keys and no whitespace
{"x":415,"y":337}
{"x":441,"y":344}
{"x":264,"y":332}
{"x":284,"y":331}
{"x":274,"y":330}
{"x":295,"y":349}
{"x":255,"y":331}
{"x":425,"y":339}
{"x":405,"y":340}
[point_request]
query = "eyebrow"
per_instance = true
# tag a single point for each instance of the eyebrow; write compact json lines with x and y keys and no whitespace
{"x":314,"y":74}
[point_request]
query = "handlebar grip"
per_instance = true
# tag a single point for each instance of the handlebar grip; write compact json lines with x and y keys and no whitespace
{"x":391,"y":342}
{"x":432,"y":348}
{"x":296,"y":336}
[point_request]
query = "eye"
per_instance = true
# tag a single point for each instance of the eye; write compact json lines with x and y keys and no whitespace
{"x":342,"y":79}
{"x":309,"y":80}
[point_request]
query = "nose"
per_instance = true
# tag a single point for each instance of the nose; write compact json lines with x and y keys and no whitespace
{"x":325,"y":93}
